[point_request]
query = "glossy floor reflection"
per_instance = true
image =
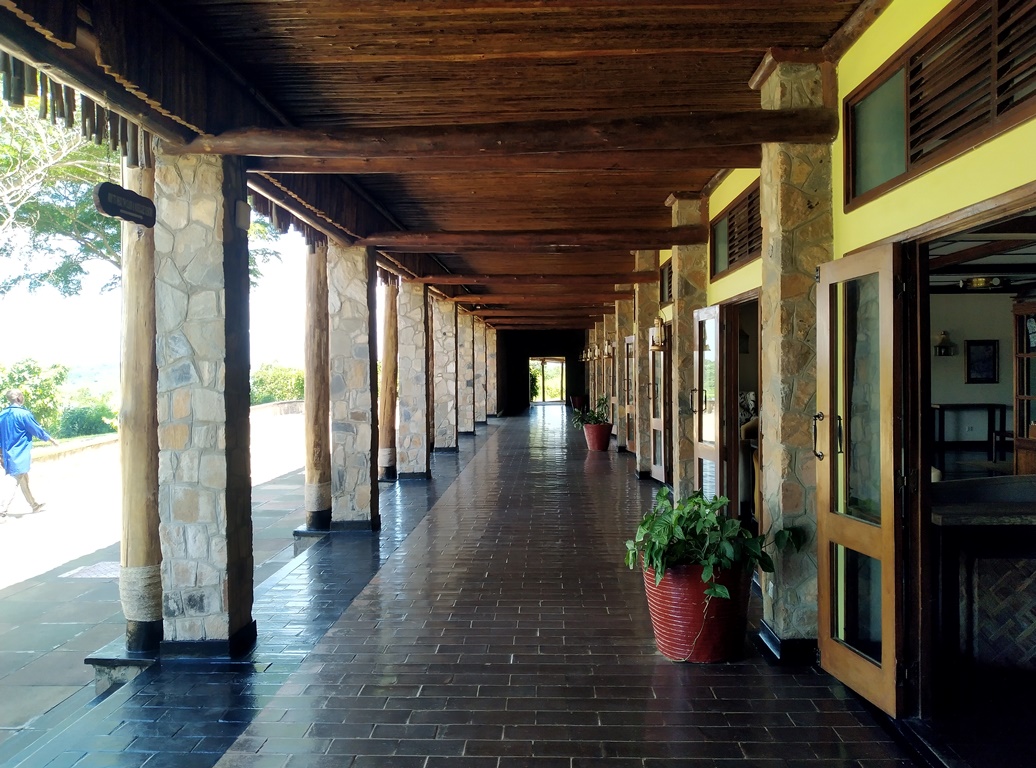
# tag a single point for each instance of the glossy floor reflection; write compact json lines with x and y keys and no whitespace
{"x":499,"y":630}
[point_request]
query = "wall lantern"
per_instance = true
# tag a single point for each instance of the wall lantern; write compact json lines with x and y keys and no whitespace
{"x":658,"y":344}
{"x":944,"y":347}
{"x":609,"y":350}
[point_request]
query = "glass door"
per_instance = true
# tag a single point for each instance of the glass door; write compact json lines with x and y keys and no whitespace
{"x":630,"y":393}
{"x":705,"y":401}
{"x":857,"y":436}
{"x":656,"y":380}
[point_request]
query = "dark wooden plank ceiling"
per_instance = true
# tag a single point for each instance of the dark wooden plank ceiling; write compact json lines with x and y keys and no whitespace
{"x":336,"y":66}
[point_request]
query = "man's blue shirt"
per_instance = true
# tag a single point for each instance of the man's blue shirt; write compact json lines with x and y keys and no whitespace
{"x":17,"y":429}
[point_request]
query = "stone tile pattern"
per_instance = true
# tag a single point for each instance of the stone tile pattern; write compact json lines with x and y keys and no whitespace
{"x":795,"y":193}
{"x":444,"y":372}
{"x":645,"y":296}
{"x":491,"y":378}
{"x":465,"y":373}
{"x":201,"y":297}
{"x":354,"y":410}
{"x":591,"y":365}
{"x":412,"y":438}
{"x":690,"y":285}
{"x":481,"y":407}
{"x":610,"y":365}
{"x":624,"y":326}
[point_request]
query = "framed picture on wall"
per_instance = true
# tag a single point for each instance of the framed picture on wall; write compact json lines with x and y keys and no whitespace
{"x":983,"y":361}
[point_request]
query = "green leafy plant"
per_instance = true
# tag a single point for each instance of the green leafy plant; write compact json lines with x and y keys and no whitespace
{"x":40,"y":386}
{"x":599,"y":414}
{"x":272,"y":383}
{"x":694,"y":531}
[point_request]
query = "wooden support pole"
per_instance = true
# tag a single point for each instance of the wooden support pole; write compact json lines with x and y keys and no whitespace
{"x":140,"y":577}
{"x":388,"y":384}
{"x":317,"y":393}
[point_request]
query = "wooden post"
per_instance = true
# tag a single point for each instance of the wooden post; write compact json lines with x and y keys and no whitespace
{"x":140,"y":576}
{"x":387,"y":388}
{"x":317,"y":393}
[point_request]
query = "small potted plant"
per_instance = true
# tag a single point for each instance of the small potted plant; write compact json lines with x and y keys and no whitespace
{"x":596,"y":425}
{"x":698,"y":564}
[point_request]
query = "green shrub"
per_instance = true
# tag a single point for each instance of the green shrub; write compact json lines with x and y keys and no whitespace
{"x":88,"y":414}
{"x":40,"y":387}
{"x":272,"y":383}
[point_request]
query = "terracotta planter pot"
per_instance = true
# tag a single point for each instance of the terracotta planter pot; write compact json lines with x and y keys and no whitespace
{"x":598,"y":436}
{"x":684,"y":630}
{"x":578,"y":402}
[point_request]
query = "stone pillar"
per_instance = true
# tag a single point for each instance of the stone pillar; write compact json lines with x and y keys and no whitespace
{"x":690,"y":286}
{"x":795,"y":198}
{"x":204,"y":496}
{"x":465,"y":374}
{"x":645,"y":297}
{"x":140,"y":575}
{"x":412,"y":456}
{"x":480,"y":371}
{"x":491,"y":386}
{"x":317,"y":495}
{"x":444,"y":374}
{"x":388,"y":385}
{"x":623,"y":328}
{"x":354,"y":399}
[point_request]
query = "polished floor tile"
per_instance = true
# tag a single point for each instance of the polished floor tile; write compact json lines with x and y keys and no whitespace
{"x":490,"y":624}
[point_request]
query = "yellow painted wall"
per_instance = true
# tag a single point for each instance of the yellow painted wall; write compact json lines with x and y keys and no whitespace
{"x":751,"y":275}
{"x":993,"y":168}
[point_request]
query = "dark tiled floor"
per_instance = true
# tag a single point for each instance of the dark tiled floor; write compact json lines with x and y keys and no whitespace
{"x":498,"y":630}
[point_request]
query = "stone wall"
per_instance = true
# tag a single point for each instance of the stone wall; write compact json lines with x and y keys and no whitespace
{"x":352,"y":345}
{"x":444,"y":374}
{"x":465,"y":374}
{"x":204,"y":495}
{"x":491,"y":373}
{"x":645,"y":296}
{"x":624,"y":328}
{"x":795,"y":197}
{"x":480,"y":371}
{"x":412,"y":454}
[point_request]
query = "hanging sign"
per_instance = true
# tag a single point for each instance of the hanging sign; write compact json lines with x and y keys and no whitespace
{"x":119,"y":203}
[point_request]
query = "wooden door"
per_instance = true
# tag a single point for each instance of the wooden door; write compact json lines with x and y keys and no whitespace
{"x":706,"y":402}
{"x":858,"y":437}
{"x":631,"y":395}
{"x":656,"y":381}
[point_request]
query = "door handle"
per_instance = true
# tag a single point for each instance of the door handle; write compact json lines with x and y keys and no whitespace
{"x":694,"y":400}
{"x":817,"y":417}
{"x":840,"y":447}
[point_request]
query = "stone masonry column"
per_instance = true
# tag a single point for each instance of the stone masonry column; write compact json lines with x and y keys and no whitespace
{"x":140,"y":577}
{"x":623,"y":328}
{"x":795,"y":197}
{"x":480,"y":370}
{"x":465,"y":374}
{"x":413,"y":460}
{"x":351,"y":279}
{"x":204,"y":492}
{"x":690,"y":281}
{"x":645,"y":297}
{"x":491,"y":393}
{"x":317,"y":393}
{"x":444,"y":374}
{"x":388,"y":384}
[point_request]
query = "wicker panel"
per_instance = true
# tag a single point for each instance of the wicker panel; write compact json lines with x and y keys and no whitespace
{"x":1005,"y":612}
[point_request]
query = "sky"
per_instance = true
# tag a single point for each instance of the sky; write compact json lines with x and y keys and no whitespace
{"x":85,"y":330}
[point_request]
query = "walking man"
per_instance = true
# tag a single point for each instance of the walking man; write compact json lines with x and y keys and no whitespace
{"x":17,"y":429}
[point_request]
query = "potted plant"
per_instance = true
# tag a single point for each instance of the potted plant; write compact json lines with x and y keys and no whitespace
{"x":698,"y":564}
{"x":596,"y":425}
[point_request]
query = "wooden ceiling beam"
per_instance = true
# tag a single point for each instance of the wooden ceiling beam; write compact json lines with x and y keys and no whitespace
{"x":590,"y":312}
{"x":551,"y":241}
{"x":637,"y":161}
{"x":518,"y":280}
{"x":557,"y":299}
{"x":983,"y":251}
{"x":693,"y":131}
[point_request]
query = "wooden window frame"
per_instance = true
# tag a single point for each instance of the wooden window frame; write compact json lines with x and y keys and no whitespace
{"x":994,"y":126}
{"x":753,"y":188}
{"x":665,"y":284}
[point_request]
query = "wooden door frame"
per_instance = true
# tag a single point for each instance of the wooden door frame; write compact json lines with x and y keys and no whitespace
{"x":629,"y":352}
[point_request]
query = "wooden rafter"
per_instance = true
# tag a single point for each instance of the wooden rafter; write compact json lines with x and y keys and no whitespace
{"x":559,"y":299}
{"x":977,"y":252}
{"x":545,"y":240}
{"x":520,"y":280}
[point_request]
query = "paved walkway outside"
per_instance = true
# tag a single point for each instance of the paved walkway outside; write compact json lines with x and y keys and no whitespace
{"x":499,"y":630}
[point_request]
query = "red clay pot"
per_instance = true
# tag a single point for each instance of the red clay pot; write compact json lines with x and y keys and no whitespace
{"x":578,"y":402}
{"x":598,"y":436}
{"x":684,"y":630}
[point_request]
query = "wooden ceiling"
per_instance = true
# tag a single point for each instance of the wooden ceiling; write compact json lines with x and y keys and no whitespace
{"x":516,"y":74}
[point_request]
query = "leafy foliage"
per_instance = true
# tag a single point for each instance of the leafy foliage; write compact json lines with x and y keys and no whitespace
{"x":599,"y":414}
{"x":40,"y":387}
{"x":534,"y":384}
{"x":272,"y":383}
{"x":88,"y":414}
{"x":694,"y":531}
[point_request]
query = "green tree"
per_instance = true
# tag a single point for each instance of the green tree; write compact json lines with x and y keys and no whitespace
{"x":40,"y":386}
{"x":88,"y":414}
{"x":50,"y":231}
{"x":272,"y":383}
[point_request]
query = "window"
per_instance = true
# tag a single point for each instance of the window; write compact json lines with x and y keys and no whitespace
{"x":665,"y":283}
{"x":737,"y":235}
{"x":966,"y":78}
